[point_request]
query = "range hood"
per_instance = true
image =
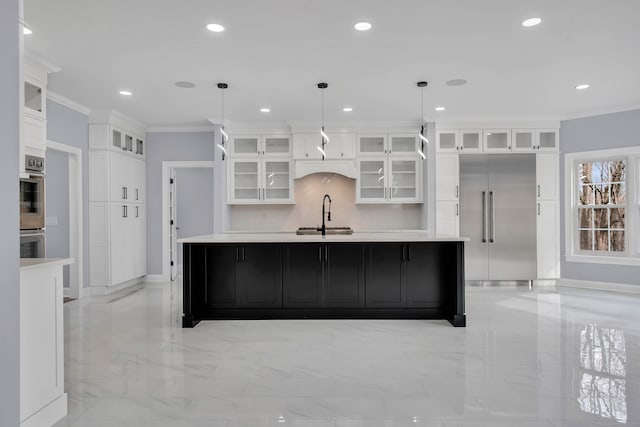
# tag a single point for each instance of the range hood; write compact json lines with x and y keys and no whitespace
{"x":342,"y":167}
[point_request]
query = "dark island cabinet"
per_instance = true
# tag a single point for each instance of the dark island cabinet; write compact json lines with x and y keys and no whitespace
{"x":248,"y":276}
{"x":408,"y":280}
{"x":323,"y":276}
{"x":384,"y":275}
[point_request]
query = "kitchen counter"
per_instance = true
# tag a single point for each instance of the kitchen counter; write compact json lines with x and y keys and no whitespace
{"x":373,"y":275}
{"x":291,"y":237}
{"x":32,"y":263}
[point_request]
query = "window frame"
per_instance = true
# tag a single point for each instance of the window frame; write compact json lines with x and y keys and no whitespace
{"x":631,"y":254}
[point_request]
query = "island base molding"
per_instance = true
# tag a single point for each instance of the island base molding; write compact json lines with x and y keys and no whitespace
{"x":324,"y":280}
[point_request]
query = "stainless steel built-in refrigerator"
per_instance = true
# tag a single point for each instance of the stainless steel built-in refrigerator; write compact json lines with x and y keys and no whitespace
{"x":498,"y":214}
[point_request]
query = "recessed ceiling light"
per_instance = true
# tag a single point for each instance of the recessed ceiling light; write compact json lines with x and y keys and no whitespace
{"x":126,"y":92}
{"x":440,"y":108}
{"x":531,"y":22}
{"x":26,"y":31}
{"x":456,"y":82}
{"x":265,"y":110}
{"x":185,"y":85}
{"x":216,"y":28}
{"x":582,"y":86}
{"x":362,"y":26}
{"x":347,"y":109}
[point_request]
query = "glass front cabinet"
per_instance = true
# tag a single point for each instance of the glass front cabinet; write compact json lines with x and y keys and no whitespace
{"x":394,"y":179}
{"x":260,"y":181}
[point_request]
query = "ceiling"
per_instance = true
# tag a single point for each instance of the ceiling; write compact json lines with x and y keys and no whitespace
{"x":273,"y":53}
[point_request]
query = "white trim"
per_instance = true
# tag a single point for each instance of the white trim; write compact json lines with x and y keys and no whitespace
{"x":59,"y":99}
{"x":630,"y":256}
{"x":166,"y":167}
{"x":76,"y":216}
{"x":118,"y":290}
{"x":50,"y":414}
{"x":493,"y":124}
{"x":599,"y":286}
{"x":171,"y":129}
{"x":601,"y":112}
{"x":154,"y":278}
{"x":38,"y":60}
{"x":115,"y":117}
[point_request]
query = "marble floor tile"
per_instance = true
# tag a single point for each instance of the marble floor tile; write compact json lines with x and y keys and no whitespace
{"x":541,"y":357}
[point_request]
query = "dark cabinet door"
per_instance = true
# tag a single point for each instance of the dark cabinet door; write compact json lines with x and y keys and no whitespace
{"x":424,"y":271}
{"x":344,"y":275}
{"x":261,"y":276}
{"x":384,"y":276}
{"x":221,"y":288}
{"x":302,"y":276}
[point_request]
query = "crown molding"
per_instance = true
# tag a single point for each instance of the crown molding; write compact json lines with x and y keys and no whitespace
{"x":38,"y":60}
{"x":170,"y":129}
{"x":117,"y":118}
{"x":59,"y":99}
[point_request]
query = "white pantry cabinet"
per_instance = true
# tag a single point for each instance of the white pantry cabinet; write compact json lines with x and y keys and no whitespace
{"x":548,"y":241}
{"x":117,"y":206}
{"x":447,"y":194}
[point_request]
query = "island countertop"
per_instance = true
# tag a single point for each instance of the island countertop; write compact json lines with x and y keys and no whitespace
{"x":32,"y":263}
{"x":292,"y":237}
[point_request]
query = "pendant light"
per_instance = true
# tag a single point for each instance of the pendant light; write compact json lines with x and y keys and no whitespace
{"x":225,"y":137}
{"x":325,"y":138}
{"x":423,"y":139}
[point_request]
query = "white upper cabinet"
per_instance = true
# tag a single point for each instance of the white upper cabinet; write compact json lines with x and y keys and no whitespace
{"x":260,"y":145}
{"x":523,"y":139}
{"x":547,"y":139}
{"x":372,"y":144}
{"x":340,"y":146}
{"x":460,"y":141}
{"x":113,"y":138}
{"x":404,"y":179}
{"x":497,"y":140}
{"x":372,"y":181}
{"x":402,"y":143}
{"x":254,"y":181}
{"x":389,"y":179}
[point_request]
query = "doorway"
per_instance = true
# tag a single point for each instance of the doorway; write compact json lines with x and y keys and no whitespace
{"x":187,"y":208}
{"x":64,"y":212}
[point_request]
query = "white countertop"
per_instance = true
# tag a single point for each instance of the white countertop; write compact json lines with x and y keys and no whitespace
{"x":32,"y":263}
{"x":292,"y":237}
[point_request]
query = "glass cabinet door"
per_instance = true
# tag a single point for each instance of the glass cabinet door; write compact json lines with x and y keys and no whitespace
{"x":116,"y":139}
{"x":278,"y":145}
{"x":245,"y":181}
{"x":245,"y":145}
{"x":470,"y":140}
{"x":547,"y":140}
{"x":522,"y":140}
{"x":497,"y":140}
{"x":372,"y":144}
{"x":33,"y":97}
{"x":404,"y":179}
{"x":446,"y":140}
{"x":371,"y":180}
{"x":277,"y":180}
{"x":403,"y":144}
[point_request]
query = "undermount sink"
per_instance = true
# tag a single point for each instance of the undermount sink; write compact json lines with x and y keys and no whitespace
{"x":330,"y":230}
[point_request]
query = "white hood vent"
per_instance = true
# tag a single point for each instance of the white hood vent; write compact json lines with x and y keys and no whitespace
{"x":342,"y":167}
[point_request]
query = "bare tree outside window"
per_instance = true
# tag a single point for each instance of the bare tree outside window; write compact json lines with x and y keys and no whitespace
{"x":601,"y":205}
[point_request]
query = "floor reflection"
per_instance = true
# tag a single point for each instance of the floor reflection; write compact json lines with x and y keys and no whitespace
{"x":603,"y":368}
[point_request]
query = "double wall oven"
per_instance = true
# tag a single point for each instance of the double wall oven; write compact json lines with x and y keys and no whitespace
{"x":32,"y":215}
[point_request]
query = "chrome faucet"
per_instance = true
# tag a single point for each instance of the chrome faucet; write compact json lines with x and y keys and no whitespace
{"x":328,"y":214}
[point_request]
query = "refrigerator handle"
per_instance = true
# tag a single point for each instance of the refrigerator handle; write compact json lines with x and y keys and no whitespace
{"x":484,"y":217}
{"x":492,"y":223}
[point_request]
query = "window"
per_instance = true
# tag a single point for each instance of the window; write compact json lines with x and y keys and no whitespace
{"x":601,"y":205}
{"x":602,"y":218}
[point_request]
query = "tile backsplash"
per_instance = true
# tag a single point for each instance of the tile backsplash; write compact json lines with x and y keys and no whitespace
{"x":308,"y":209}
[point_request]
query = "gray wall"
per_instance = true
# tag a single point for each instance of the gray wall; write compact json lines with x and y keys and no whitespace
{"x":608,"y":131}
{"x":170,"y":146}
{"x":57,"y":207}
{"x":9,"y":223}
{"x":194,"y":210}
{"x":70,"y":127}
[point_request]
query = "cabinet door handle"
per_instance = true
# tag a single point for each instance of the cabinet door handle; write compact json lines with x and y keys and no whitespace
{"x":137,"y":194}
{"x":538,"y":209}
{"x":492,"y":224}
{"x":306,"y":154}
{"x":457,"y":209}
{"x":404,"y":258}
{"x":457,"y":191}
{"x":237,"y":254}
{"x":326,"y":253}
{"x":320,"y":253}
{"x":484,"y":217}
{"x":243,"y":255}
{"x":124,"y":193}
{"x":461,"y":147}
{"x":538,"y":191}
{"x":408,"y":253}
{"x":137,"y":212}
{"x":124,"y":211}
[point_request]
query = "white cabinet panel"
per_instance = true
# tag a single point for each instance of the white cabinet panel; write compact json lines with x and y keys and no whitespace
{"x":447,"y":140}
{"x":548,"y":240}
{"x":402,"y":143}
{"x":497,"y":140}
{"x":340,"y":146}
{"x":34,"y":136}
{"x":447,"y":218}
{"x":447,"y":177}
{"x":523,"y":139}
{"x":276,"y":145}
{"x":547,"y":170}
{"x":547,"y":139}
{"x":245,"y":145}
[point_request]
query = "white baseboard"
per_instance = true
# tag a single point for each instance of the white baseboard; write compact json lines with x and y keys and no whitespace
{"x":600,"y":286}
{"x":53,"y":412}
{"x":153,"y":278}
{"x":117,"y":291}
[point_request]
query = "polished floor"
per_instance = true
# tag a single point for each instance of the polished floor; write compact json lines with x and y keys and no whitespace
{"x":543,"y":357}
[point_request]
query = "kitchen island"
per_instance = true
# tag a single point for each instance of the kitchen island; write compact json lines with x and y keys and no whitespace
{"x":394,"y":275}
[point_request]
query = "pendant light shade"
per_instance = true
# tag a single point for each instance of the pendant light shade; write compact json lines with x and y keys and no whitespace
{"x":423,"y":139}
{"x":325,"y":138}
{"x":225,"y":136}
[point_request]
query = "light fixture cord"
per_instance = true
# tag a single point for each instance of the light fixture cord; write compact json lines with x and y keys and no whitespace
{"x":222,"y":126}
